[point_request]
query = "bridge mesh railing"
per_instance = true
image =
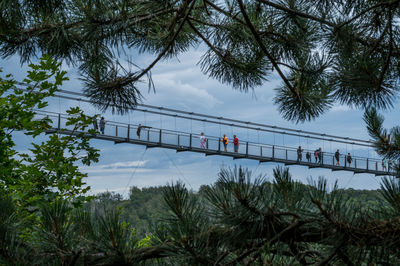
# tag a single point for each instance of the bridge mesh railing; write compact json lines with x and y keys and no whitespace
{"x":182,"y":140}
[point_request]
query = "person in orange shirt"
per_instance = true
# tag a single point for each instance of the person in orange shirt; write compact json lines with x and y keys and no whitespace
{"x":225,"y":142}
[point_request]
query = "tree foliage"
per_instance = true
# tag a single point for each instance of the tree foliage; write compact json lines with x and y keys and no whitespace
{"x":239,"y":220}
{"x":50,"y":169}
{"x":387,"y":142}
{"x":64,"y":235}
{"x":246,"y":222}
{"x":324,"y":51}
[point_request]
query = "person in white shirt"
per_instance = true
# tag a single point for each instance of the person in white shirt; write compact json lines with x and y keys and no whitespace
{"x":202,"y":141}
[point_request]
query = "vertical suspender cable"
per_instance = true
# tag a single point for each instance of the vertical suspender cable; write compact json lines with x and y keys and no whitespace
{"x":248,"y":132}
{"x":191,"y":123}
{"x":220,"y":127}
{"x":175,"y":121}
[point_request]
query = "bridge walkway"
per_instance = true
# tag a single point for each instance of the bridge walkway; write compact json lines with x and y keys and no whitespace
{"x":184,"y":142}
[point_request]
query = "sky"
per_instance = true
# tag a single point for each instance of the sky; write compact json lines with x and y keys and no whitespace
{"x":181,"y":85}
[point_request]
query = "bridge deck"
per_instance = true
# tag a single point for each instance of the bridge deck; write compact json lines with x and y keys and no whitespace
{"x":183,"y":142}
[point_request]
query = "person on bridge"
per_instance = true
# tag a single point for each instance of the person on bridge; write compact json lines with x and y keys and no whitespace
{"x":139,"y":129}
{"x":316,"y":155}
{"x":202,"y":141}
{"x":95,"y":126}
{"x":349,"y":159}
{"x":337,"y":157}
{"x":320,"y":155}
{"x":235,"y":143}
{"x":102,"y":125}
{"x":225,"y":142}
{"x":299,"y":154}
{"x":383,"y":165}
{"x":308,"y":157}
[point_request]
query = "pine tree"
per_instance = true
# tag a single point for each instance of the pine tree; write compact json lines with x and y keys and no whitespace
{"x":256,"y":222}
{"x":324,"y":51}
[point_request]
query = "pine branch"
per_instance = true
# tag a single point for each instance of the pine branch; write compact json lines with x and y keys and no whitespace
{"x":264,"y":49}
{"x":297,"y":13}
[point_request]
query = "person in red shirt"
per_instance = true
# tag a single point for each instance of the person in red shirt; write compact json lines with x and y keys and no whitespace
{"x":235,"y":143}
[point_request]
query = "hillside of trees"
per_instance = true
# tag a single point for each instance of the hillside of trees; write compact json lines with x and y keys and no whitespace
{"x":146,"y":207}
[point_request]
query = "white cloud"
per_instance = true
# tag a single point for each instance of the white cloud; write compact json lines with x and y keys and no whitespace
{"x":171,"y":89}
{"x":94,"y":170}
{"x":340,"y":108}
{"x":124,"y":166}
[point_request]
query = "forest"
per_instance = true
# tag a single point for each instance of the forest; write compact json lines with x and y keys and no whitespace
{"x":146,"y":206}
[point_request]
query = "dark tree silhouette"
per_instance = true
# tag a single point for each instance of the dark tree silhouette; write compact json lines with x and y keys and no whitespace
{"x":324,"y":51}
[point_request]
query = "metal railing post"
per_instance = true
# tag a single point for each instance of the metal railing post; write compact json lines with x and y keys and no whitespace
{"x":148,"y":135}
{"x":260,"y":151}
{"x":128,"y":132}
{"x":116,"y":130}
{"x":190,"y":141}
{"x":273,"y":151}
{"x":333,"y":160}
{"x":355,"y":163}
{"x":219,"y":144}
{"x":160,"y":136}
{"x":286,"y":155}
{"x":207,"y":144}
{"x":345,"y":161}
{"x":322,"y":158}
{"x":376,"y":166}
{"x":367,"y":164}
{"x":179,"y":140}
{"x":247,"y":148}
{"x":59,"y":122}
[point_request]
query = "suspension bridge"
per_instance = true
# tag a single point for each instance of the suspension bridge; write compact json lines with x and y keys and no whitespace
{"x":188,"y":141}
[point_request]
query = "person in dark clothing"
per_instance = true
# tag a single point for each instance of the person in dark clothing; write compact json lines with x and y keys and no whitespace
{"x":337,"y":157}
{"x":139,"y":130}
{"x":235,"y":143}
{"x":299,"y":154}
{"x":308,"y":156}
{"x":319,"y":155}
{"x":349,"y":159}
{"x":95,"y":126}
{"x":102,"y":125}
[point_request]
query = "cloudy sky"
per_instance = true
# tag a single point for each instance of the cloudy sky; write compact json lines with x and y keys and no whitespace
{"x":181,"y":85}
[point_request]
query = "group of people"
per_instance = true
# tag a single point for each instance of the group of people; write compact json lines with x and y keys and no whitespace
{"x":318,"y":156}
{"x":102,"y":125}
{"x":224,"y":140}
{"x":386,"y":164}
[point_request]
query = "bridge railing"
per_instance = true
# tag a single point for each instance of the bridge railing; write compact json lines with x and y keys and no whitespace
{"x":190,"y":140}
